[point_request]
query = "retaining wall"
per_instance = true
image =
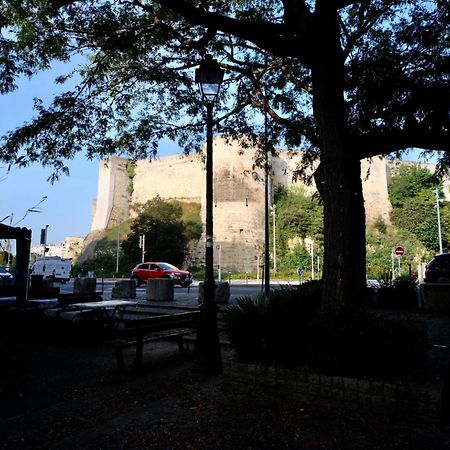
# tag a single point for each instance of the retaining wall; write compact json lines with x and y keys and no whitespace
{"x":397,"y":399}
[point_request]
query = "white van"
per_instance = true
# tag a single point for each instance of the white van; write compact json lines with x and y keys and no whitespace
{"x":53,"y":267}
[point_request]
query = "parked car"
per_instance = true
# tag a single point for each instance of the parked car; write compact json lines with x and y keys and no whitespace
{"x":150,"y":270}
{"x":4,"y":273}
{"x":438,"y":269}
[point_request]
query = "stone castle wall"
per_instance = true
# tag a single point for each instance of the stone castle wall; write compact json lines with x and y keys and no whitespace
{"x":238,"y":196}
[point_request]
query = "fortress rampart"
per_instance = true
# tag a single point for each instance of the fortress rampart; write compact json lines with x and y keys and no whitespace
{"x":238,"y":195}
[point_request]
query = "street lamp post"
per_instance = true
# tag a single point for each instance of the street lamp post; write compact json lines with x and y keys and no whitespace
{"x":274,"y":212}
{"x":209,"y":77}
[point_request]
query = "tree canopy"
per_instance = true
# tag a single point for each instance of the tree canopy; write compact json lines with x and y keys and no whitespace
{"x":413,"y":196}
{"x":165,"y":233}
{"x":345,"y":79}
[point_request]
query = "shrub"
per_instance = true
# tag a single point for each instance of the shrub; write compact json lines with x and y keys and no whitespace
{"x":245,"y":325}
{"x":272,"y":330}
{"x":288,"y":330}
{"x":351,"y":341}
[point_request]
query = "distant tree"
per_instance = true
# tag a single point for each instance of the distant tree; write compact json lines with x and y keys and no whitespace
{"x":165,"y":233}
{"x":298,"y":215}
{"x":408,"y":182}
{"x":414,"y":205}
{"x":297,"y":257}
{"x":380,"y":246}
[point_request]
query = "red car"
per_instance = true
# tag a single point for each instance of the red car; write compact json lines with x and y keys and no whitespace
{"x":142,"y":272}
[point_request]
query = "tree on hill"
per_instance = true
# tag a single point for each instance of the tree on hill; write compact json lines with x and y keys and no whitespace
{"x":412,"y":194}
{"x":165,"y":233}
{"x":346,"y":79}
{"x":408,"y":182}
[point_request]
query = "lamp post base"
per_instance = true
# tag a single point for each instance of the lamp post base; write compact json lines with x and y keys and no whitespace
{"x":209,"y":357}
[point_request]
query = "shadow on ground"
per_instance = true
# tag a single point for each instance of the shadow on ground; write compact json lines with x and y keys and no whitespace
{"x":62,"y":390}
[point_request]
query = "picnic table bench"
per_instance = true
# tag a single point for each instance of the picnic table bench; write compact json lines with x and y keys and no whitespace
{"x":135,"y":326}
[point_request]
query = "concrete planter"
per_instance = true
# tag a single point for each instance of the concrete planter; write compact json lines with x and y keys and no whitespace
{"x":222,"y":294}
{"x":161,"y":289}
{"x":124,"y":289}
{"x":85,"y":285}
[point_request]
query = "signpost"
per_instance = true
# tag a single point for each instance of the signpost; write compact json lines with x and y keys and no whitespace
{"x":399,"y":252}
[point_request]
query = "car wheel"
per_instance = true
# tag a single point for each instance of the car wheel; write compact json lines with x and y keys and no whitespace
{"x":443,"y":280}
{"x":138,"y":281}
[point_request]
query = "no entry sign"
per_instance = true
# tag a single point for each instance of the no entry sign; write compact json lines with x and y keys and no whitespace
{"x":399,"y":251}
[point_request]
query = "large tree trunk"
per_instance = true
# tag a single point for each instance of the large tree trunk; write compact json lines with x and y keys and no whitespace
{"x":340,"y":185}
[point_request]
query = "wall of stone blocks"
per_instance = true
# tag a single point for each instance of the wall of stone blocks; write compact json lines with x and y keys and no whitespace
{"x":238,"y":195}
{"x":404,"y":400}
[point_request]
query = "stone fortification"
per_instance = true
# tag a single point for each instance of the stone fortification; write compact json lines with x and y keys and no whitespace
{"x":113,"y":194}
{"x":238,"y":196}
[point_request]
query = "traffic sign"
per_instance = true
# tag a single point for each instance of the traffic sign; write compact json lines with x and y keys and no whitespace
{"x":399,"y":251}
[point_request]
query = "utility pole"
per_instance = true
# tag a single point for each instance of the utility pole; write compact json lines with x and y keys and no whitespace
{"x":143,"y":247}
{"x":274,"y":212}
{"x":436,"y":191}
{"x":118,"y":248}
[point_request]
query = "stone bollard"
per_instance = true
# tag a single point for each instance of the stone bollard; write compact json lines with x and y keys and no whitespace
{"x":124,"y":289}
{"x":85,"y":285}
{"x":222,"y":293}
{"x":160,"y":289}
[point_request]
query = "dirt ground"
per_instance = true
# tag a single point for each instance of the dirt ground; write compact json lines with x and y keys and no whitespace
{"x":62,"y":390}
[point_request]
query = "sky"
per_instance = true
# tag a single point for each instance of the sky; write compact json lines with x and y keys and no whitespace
{"x":67,"y":207}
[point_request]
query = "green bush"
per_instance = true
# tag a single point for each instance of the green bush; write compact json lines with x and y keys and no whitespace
{"x":272,"y":330}
{"x":245,"y":325}
{"x":288,"y":330}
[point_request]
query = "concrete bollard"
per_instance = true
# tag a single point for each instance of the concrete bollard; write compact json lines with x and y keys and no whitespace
{"x":124,"y":289}
{"x":160,"y":289}
{"x":85,"y":285}
{"x":222,"y":293}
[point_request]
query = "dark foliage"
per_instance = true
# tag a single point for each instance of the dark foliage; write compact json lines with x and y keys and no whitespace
{"x":351,"y":341}
{"x":402,"y":293}
{"x":288,"y":330}
{"x":272,"y":330}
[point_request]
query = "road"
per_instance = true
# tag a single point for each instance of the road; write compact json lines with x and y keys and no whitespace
{"x":238,"y":288}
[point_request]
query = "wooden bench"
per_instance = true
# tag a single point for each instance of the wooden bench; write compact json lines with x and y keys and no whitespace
{"x":135,"y":326}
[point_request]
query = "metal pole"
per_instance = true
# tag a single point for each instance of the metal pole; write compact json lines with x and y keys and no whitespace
{"x":274,"y":209}
{"x":392,"y":265}
{"x":209,"y":355}
{"x":45,"y":242}
{"x":219,"y":266}
{"x":143,"y":247}
{"x":257,"y":268}
{"x":118,"y":248}
{"x":266,"y":231}
{"x":312,"y":261}
{"x":436,"y":191}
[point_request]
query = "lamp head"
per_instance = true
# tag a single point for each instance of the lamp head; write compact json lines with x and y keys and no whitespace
{"x":209,"y":77}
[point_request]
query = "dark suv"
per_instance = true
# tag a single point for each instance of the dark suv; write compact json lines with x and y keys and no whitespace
{"x":142,"y":272}
{"x":438,"y":269}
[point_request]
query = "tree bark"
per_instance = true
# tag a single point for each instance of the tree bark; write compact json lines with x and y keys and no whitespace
{"x":340,"y":178}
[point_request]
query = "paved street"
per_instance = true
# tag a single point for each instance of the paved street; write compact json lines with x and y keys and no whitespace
{"x":183,"y":296}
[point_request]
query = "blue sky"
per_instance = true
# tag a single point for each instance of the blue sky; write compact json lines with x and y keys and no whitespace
{"x":67,"y":208}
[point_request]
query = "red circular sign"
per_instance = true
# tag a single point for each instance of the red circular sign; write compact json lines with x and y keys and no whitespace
{"x":399,"y":251}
